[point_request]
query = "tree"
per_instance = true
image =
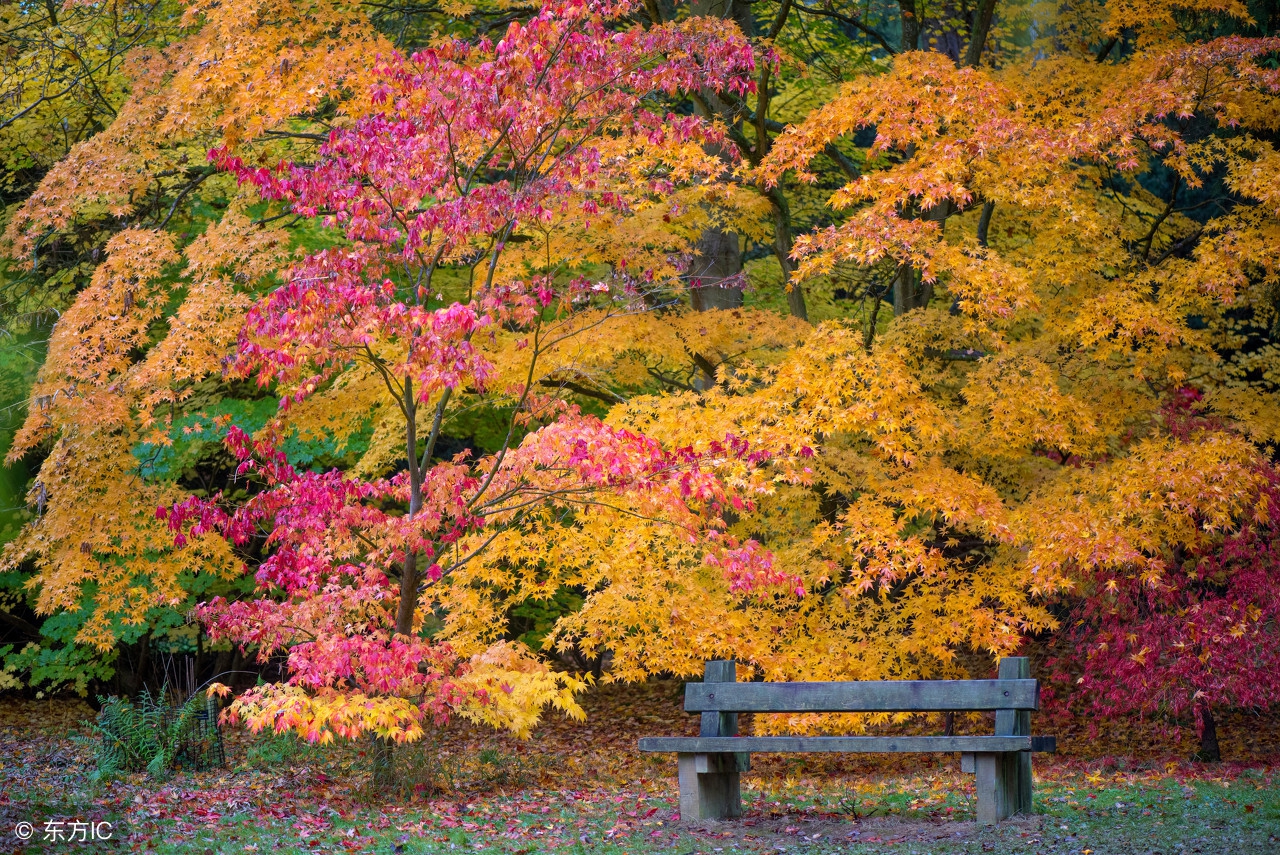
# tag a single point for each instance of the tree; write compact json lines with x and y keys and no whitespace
{"x":473,"y":147}
{"x":108,"y":570}
{"x":1043,"y":224}
{"x":1002,"y":443}
{"x":114,"y":167}
{"x":1201,"y":637}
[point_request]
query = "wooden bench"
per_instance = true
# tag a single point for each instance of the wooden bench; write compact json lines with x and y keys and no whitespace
{"x":709,"y":765}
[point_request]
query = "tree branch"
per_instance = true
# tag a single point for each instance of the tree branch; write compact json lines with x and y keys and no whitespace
{"x":852,"y":22}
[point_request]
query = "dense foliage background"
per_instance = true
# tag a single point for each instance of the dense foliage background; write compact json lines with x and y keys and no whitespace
{"x":986,"y":291}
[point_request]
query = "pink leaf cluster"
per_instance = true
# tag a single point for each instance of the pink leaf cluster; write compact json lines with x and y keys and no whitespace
{"x":473,"y":142}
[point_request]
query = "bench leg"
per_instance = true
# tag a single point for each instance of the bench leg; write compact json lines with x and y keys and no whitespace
{"x":710,"y":787}
{"x":996,"y":785}
{"x":1022,"y":780}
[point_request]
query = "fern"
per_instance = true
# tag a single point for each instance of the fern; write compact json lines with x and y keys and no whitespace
{"x":146,"y":735}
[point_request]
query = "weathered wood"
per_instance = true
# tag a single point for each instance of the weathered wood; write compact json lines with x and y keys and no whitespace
{"x":849,"y":744}
{"x":892,"y":696}
{"x":1016,"y":723}
{"x":719,"y":723}
{"x":996,"y":775}
{"x":710,"y":765}
{"x":710,"y":783}
{"x":713,"y":794}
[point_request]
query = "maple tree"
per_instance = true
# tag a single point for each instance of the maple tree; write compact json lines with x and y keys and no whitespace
{"x":271,"y":79}
{"x":1026,"y":455}
{"x":472,"y":147}
{"x":1001,"y":444}
{"x":202,"y":74}
{"x":1201,"y":637}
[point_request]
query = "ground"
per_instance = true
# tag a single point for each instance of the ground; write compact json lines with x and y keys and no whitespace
{"x":584,"y":788}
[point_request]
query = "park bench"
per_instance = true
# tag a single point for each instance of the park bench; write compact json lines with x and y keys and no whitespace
{"x":709,"y":765}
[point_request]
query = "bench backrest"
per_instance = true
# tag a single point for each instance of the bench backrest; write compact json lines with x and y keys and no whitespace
{"x":890,"y":696}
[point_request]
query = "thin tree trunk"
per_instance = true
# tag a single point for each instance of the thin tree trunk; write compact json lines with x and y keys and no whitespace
{"x":718,"y":254}
{"x":984,"y":222}
{"x":409,"y":577}
{"x":904,"y":290}
{"x":382,"y":763}
{"x":910,"y":291}
{"x":978,"y":38}
{"x":910,"y":25}
{"x":137,"y":681}
{"x":782,"y":246}
{"x":1209,"y":750}
{"x":381,"y":749}
{"x":199,"y":665}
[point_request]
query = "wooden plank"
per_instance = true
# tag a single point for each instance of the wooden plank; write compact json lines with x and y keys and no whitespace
{"x":1016,"y":723}
{"x":722,"y":723}
{"x":851,"y":744}
{"x":716,"y":723}
{"x":712,"y":764}
{"x":892,"y":696}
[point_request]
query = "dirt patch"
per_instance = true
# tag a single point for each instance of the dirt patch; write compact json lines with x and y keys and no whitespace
{"x":783,"y":830}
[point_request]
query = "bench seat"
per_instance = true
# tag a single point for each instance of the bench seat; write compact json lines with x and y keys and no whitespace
{"x":847,"y":744}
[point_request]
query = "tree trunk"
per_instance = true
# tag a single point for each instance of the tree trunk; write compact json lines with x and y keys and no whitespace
{"x":910,"y":291}
{"x":136,"y":679}
{"x":382,"y":763}
{"x":978,"y":36}
{"x":910,"y":25}
{"x":718,"y":258}
{"x":718,"y":254}
{"x":904,"y":290}
{"x":984,"y":222}
{"x":382,"y":750}
{"x":1209,"y":750}
{"x":782,"y":246}
{"x":198,"y":667}
{"x":222,"y":664}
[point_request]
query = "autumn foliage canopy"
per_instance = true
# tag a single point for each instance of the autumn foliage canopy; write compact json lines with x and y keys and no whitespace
{"x":445,"y":357}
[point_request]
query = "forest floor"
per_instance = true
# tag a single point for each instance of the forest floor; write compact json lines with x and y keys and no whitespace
{"x":584,"y":788}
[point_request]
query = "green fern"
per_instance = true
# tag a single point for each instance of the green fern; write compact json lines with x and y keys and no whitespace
{"x":147,"y":735}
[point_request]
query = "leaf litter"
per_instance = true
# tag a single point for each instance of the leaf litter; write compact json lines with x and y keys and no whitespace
{"x":585,"y":787}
